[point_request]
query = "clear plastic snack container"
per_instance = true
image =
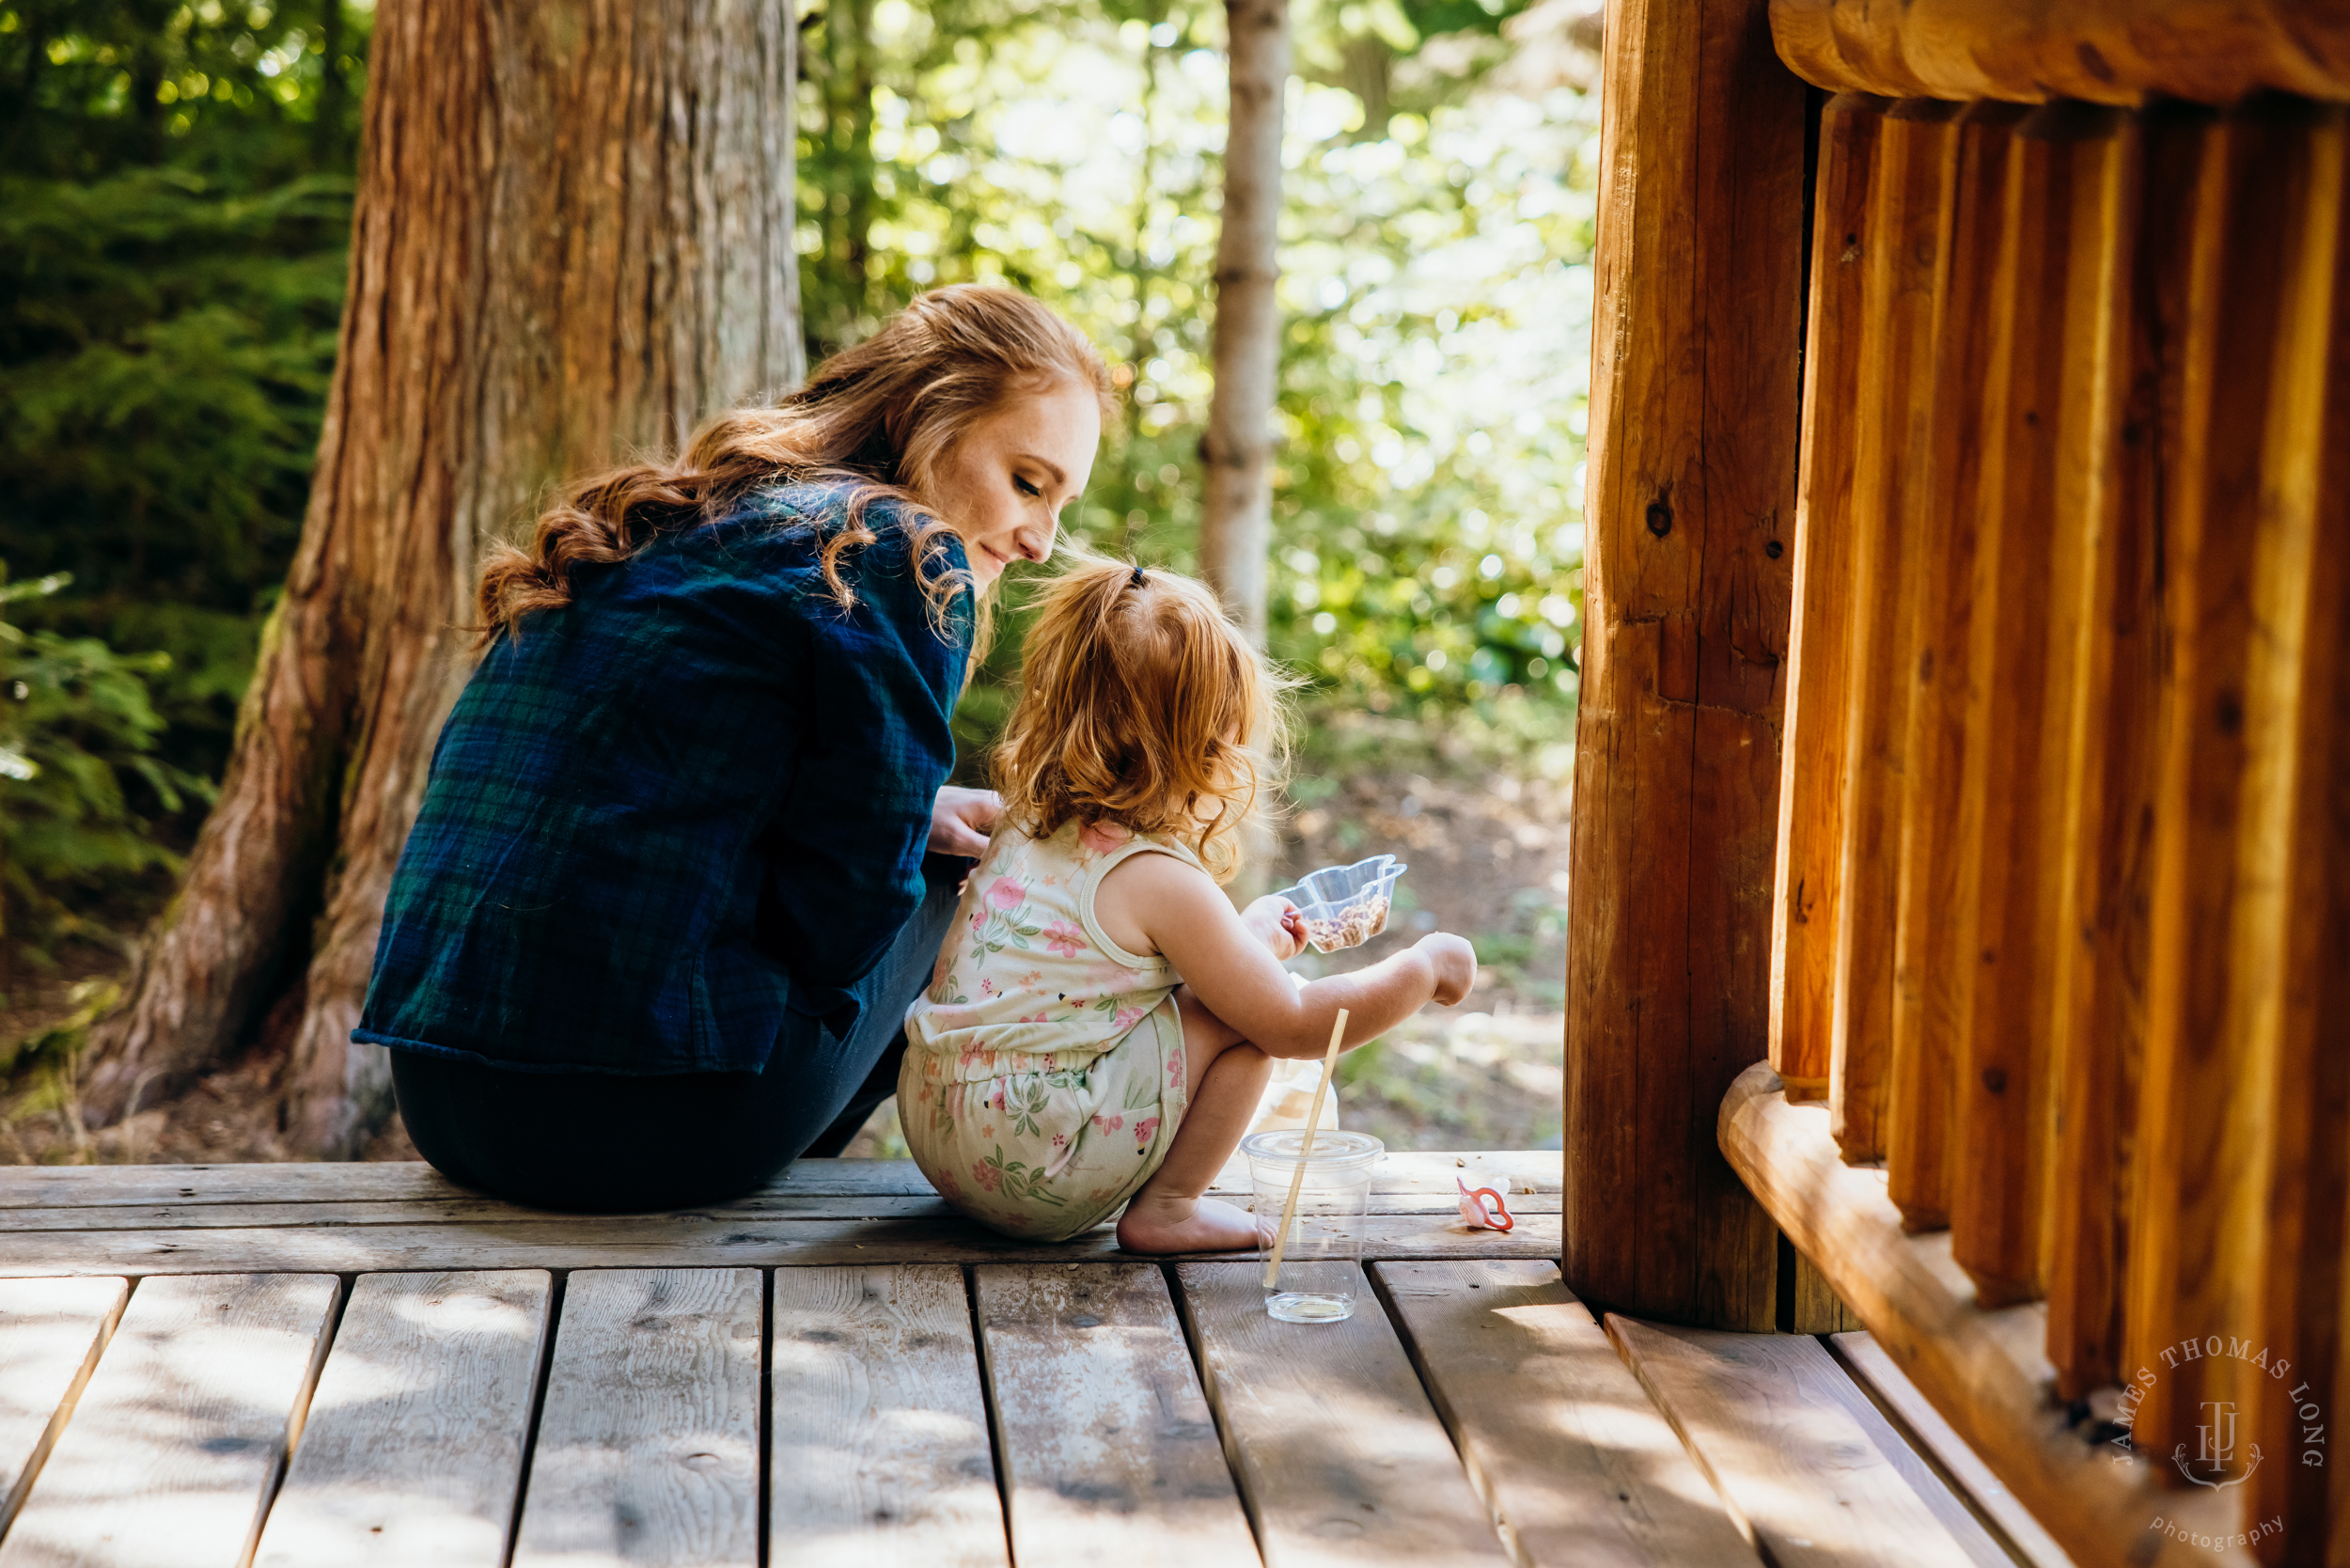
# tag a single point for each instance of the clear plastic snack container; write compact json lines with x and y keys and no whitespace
{"x":1346,"y":905}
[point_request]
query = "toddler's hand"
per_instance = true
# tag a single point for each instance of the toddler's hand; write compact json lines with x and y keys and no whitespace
{"x":1455,"y":963}
{"x":1278,"y":923}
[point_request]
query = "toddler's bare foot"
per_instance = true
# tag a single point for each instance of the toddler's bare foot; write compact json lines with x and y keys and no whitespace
{"x":1153,"y":1223}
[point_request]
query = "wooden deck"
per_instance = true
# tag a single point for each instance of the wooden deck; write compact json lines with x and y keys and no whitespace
{"x":363,"y":1364}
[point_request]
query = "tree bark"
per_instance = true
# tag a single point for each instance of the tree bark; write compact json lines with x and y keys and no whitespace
{"x":1237,"y":525}
{"x":573,"y":239}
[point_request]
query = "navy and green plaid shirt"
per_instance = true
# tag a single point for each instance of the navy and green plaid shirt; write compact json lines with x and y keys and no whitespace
{"x":692,"y":799}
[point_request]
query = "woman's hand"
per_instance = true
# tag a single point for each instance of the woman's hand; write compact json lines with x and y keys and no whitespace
{"x":1278,"y":923}
{"x":960,"y":820}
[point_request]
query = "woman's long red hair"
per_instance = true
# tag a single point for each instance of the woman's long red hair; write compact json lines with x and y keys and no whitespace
{"x":879,"y":417}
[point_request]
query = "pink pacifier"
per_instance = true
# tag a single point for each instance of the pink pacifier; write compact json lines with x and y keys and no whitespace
{"x":1482,"y":1208}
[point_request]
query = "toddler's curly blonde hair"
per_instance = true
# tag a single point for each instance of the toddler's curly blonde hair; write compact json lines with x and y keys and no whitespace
{"x":1141,"y":705}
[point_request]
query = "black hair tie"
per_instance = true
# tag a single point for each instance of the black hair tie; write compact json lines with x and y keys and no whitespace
{"x":1137,"y":579}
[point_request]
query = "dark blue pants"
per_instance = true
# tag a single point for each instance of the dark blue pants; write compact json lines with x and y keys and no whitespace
{"x":621,"y":1143}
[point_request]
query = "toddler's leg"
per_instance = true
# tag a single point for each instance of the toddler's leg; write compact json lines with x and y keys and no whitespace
{"x":1226,"y":1077}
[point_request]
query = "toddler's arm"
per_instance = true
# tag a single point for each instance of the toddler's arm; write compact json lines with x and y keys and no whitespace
{"x":1233,"y":968}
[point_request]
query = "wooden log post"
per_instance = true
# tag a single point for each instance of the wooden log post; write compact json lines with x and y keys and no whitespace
{"x":1902,"y":262}
{"x":1690,"y":502}
{"x":2135,"y":220}
{"x":1932,"y":976}
{"x":2027,"y":564}
{"x":2299,"y":712}
{"x":2229,"y":1176}
{"x":1811,"y":756}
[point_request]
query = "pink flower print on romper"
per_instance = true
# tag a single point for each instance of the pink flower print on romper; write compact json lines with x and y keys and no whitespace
{"x":987,"y":1175}
{"x":1110,"y":1123}
{"x":1102,"y":838}
{"x":1143,"y":1129}
{"x":1004,"y":893}
{"x":1127,"y":1017}
{"x":1064,"y":938}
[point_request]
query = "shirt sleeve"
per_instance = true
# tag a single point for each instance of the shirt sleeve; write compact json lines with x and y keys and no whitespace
{"x":845,"y":845}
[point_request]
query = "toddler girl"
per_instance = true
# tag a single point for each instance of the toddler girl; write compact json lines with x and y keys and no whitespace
{"x":1100,"y":1024}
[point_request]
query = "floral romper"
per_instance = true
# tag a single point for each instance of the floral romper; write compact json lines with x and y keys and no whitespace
{"x":1043,"y":1075}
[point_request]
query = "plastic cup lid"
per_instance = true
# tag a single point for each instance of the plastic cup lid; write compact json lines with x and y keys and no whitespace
{"x":1332,"y":1149}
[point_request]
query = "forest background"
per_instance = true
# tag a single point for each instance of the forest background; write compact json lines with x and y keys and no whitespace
{"x":175,"y":184}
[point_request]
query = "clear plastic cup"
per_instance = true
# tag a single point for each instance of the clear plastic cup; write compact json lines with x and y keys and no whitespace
{"x":1346,"y":905}
{"x":1322,"y":1260}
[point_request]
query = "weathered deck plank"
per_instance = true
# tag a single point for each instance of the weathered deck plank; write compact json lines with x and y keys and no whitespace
{"x":1868,"y":1362}
{"x":415,"y":1445}
{"x":1558,"y":1439}
{"x":1785,"y":1454}
{"x":175,"y":1444}
{"x":648,"y":1447}
{"x":485,"y":1211}
{"x":51,"y":1333}
{"x":1341,"y":1457}
{"x":1109,"y":1452}
{"x":1534,"y":1173}
{"x":700,"y":1240}
{"x":880,"y":1455}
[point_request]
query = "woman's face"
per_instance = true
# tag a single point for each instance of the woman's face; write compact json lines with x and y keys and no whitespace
{"x":1002,"y":486}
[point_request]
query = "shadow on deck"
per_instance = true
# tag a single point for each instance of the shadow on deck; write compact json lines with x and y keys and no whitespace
{"x":838,"y":1369}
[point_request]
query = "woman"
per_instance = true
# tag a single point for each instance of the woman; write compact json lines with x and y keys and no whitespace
{"x":666,"y":903}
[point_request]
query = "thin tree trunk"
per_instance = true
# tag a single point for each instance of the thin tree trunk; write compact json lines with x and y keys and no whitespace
{"x":1237,"y":527}
{"x":573,"y":239}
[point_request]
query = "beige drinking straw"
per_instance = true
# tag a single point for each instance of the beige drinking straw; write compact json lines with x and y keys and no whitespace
{"x":1313,"y":1121}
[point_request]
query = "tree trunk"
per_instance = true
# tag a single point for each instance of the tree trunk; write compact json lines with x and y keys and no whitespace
{"x":573,"y":239}
{"x":1238,"y":448}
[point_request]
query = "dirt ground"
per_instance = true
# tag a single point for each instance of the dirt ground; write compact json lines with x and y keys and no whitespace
{"x":1487,"y":859}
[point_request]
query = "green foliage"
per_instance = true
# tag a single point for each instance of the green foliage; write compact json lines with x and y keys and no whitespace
{"x":1427,"y":530}
{"x":174,"y":213}
{"x":82,"y":789}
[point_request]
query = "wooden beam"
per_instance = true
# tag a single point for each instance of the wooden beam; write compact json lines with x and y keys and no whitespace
{"x":1690,"y":502}
{"x":51,"y":1334}
{"x":1901,"y":264}
{"x":1339,"y":1456}
{"x":1932,"y":968}
{"x":2027,"y":557}
{"x":1804,"y":903}
{"x":878,"y":1437}
{"x":417,"y":1438}
{"x":1107,"y":1447}
{"x":648,"y":1440}
{"x":1767,"y":1418}
{"x":2118,"y":52}
{"x":176,"y":1445}
{"x":526,"y":1240}
{"x":1568,"y":1456}
{"x":2238,"y":537}
{"x":1405,"y":1173}
{"x":2142,"y":204}
{"x":2304,"y":1274}
{"x":1985,"y":1371}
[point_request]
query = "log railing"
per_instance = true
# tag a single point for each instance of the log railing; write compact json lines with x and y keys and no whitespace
{"x":2062,"y":929}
